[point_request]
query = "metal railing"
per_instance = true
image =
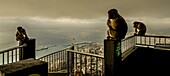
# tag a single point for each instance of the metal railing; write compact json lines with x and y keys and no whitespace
{"x":11,"y":55}
{"x":57,"y":61}
{"x":86,"y":63}
{"x":153,"y":41}
{"x":128,"y":46}
{"x":93,"y":64}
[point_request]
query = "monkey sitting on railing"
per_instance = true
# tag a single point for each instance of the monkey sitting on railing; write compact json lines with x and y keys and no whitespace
{"x":140,"y":28}
{"x":21,"y":35}
{"x":117,"y":25}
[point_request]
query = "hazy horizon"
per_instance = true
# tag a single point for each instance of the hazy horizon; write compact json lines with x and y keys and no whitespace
{"x":62,"y":31}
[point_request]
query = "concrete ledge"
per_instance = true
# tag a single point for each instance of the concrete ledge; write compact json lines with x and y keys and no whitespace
{"x":25,"y":68}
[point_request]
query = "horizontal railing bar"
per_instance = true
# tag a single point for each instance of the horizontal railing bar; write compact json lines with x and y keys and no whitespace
{"x":16,"y":47}
{"x":127,"y":38}
{"x":84,"y":53}
{"x":156,"y":36}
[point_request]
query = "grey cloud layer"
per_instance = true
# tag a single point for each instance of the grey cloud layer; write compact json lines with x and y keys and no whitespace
{"x":84,"y":8}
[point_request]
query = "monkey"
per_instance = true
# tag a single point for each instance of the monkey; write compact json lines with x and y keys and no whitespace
{"x":140,"y":28}
{"x":117,"y":25}
{"x":21,"y":35}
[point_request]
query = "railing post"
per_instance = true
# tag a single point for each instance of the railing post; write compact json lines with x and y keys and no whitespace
{"x":70,"y":62}
{"x":28,"y":51}
{"x":68,"y":67}
{"x":112,"y":55}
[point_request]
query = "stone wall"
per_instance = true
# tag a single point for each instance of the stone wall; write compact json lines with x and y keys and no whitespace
{"x":27,"y":67}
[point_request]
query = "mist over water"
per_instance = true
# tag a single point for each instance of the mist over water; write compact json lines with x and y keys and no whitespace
{"x":50,"y":33}
{"x":61,"y":32}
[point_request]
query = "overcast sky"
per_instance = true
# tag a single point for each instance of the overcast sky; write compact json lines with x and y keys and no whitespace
{"x":84,"y":8}
{"x":77,"y":12}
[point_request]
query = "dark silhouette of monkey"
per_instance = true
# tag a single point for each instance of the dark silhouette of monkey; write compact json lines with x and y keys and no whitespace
{"x":21,"y":35}
{"x":117,"y":25}
{"x":140,"y":28}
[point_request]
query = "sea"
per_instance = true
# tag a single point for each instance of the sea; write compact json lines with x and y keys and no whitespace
{"x":58,"y":34}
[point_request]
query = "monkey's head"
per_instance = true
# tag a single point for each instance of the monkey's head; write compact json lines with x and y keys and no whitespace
{"x":19,"y":28}
{"x":113,"y":13}
{"x":136,"y":24}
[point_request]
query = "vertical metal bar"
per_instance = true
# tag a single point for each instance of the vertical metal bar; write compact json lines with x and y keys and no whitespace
{"x":60,"y":60}
{"x":63,"y":59}
{"x":50,"y":61}
{"x":21,"y":51}
{"x":47,"y":58}
{"x":149,"y":40}
{"x":165,"y":41}
{"x":15,"y":55}
{"x":68,"y":69}
{"x":91,"y":65}
{"x":132,"y":41}
{"x":159,"y":40}
{"x":135,"y":40}
{"x":154,"y":41}
{"x":43,"y":59}
{"x":55,"y":62}
{"x":76,"y":61}
{"x":140,"y":39}
{"x":47,"y":61}
{"x":72,"y":62}
{"x":80,"y":62}
{"x":145,"y":40}
{"x":96,"y":66}
{"x":65,"y":56}
{"x":103,"y":68}
{"x":85,"y":64}
{"x":20,"y":54}
{"x":8,"y":57}
{"x":3,"y":58}
{"x":12,"y":56}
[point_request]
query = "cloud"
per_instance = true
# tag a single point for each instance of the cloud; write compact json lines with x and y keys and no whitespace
{"x":84,"y":8}
{"x":150,"y":20}
{"x":53,"y":8}
{"x":67,"y":20}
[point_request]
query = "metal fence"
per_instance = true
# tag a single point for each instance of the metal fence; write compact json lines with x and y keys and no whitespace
{"x":153,"y":41}
{"x":57,"y":61}
{"x":11,"y":55}
{"x":85,"y":63}
{"x":128,"y":46}
{"x":89,"y":63}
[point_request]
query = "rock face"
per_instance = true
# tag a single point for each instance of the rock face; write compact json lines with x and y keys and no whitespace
{"x":25,"y":68}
